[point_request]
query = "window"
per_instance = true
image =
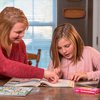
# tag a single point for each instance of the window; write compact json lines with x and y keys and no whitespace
{"x":41,"y":15}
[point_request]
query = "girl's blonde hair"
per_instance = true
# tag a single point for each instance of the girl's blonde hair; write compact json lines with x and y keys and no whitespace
{"x":69,"y":32}
{"x":8,"y":18}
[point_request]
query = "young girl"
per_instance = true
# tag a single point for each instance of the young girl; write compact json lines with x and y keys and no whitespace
{"x":13,"y":57}
{"x":70,"y":58}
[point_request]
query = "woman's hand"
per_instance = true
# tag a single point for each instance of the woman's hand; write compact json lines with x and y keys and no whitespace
{"x":58,"y":72}
{"x":51,"y":76}
{"x":79,"y":76}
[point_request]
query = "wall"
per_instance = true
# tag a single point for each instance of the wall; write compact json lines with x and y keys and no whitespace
{"x":96,"y":24}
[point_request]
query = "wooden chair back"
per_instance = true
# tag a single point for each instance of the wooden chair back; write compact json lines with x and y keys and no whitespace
{"x":32,"y":56}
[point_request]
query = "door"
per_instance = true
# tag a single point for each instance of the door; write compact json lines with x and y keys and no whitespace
{"x":80,"y":14}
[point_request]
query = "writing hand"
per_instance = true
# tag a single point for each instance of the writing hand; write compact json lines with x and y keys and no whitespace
{"x":51,"y":76}
{"x":58,"y":72}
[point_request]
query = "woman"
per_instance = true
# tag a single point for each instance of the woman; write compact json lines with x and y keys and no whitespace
{"x":13,"y":58}
{"x":70,"y":58}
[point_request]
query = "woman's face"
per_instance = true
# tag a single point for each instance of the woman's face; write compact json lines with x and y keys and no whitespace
{"x":65,"y":48}
{"x":17,"y":33}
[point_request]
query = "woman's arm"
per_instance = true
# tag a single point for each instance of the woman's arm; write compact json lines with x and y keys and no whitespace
{"x":10,"y":68}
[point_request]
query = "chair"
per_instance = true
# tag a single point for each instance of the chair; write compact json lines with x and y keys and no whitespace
{"x":36,"y":57}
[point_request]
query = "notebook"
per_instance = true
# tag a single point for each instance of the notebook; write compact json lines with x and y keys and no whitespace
{"x":14,"y":91}
{"x":87,"y":83}
{"x":98,"y":84}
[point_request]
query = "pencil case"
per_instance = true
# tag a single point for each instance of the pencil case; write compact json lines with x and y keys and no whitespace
{"x":88,"y":90}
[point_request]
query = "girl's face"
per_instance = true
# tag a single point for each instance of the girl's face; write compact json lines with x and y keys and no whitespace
{"x":65,"y":48}
{"x":17,"y":33}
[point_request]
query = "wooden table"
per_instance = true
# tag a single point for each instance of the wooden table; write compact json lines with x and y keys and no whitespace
{"x":48,"y":93}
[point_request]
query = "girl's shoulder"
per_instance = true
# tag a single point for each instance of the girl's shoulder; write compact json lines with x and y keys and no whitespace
{"x":89,"y":49}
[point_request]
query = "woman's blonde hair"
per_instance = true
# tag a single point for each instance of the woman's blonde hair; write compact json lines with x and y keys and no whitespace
{"x":9,"y":16}
{"x":69,"y":32}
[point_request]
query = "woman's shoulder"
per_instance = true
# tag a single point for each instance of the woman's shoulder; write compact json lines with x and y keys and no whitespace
{"x":22,"y":42}
{"x":20,"y":45}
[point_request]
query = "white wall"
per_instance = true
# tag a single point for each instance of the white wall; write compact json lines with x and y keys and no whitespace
{"x":96,"y":23}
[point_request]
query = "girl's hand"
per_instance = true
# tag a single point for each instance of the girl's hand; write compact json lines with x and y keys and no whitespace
{"x":79,"y":76}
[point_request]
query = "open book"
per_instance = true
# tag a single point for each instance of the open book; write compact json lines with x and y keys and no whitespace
{"x":39,"y":82}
